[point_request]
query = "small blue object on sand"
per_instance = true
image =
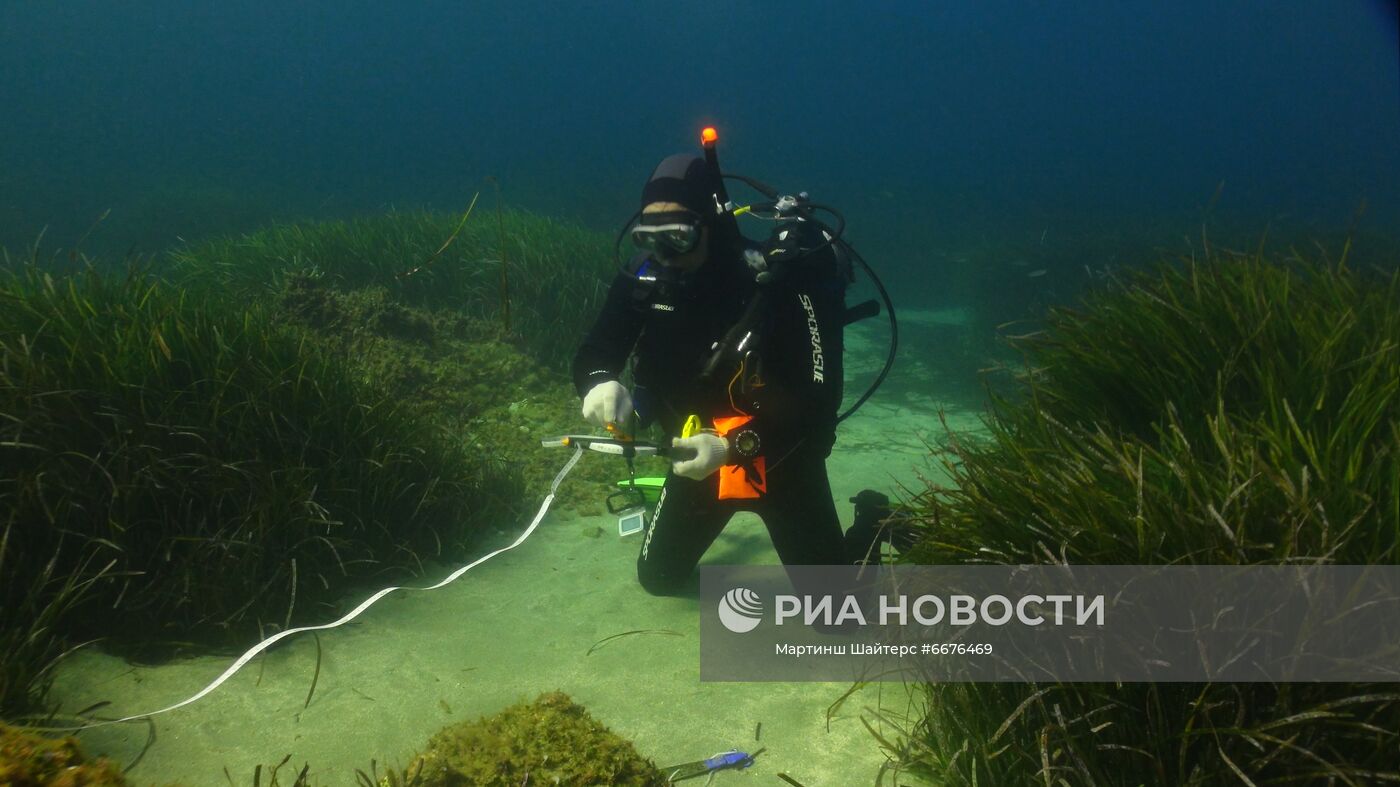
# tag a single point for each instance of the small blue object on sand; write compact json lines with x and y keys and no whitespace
{"x":719,"y":762}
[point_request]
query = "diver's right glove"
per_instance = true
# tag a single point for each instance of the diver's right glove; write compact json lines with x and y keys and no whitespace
{"x":607,"y":403}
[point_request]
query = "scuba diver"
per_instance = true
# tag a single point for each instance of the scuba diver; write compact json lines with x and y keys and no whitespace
{"x":675,"y":301}
{"x":737,"y":355}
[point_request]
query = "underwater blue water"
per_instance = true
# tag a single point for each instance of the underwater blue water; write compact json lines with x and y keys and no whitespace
{"x":931,"y":124}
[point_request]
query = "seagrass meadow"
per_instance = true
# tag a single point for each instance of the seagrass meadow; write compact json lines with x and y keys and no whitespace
{"x":209,"y":447}
{"x":240,"y":435}
{"x":1226,"y":408}
{"x":479,"y":265}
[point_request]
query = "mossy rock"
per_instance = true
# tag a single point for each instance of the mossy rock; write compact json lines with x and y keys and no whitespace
{"x":551,"y":741}
{"x":29,"y":760}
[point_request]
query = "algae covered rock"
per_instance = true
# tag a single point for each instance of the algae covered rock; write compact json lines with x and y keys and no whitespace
{"x":546,"y":742}
{"x":29,"y":760}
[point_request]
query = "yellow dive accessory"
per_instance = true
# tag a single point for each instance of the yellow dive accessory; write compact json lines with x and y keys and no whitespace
{"x":692,"y":426}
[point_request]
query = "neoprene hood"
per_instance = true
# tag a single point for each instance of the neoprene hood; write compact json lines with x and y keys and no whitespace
{"x":682,"y":178}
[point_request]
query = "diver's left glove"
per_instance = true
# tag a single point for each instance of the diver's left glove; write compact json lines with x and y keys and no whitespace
{"x":711,"y":452}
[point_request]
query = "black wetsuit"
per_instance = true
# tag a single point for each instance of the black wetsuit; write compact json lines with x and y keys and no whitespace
{"x":670,"y":331}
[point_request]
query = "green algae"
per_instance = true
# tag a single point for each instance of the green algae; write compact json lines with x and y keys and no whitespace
{"x":549,"y":741}
{"x":30,"y":760}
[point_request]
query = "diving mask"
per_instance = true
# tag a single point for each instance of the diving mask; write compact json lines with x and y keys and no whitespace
{"x":667,"y":234}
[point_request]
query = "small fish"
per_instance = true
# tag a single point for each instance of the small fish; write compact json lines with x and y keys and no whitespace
{"x":1037,"y":273}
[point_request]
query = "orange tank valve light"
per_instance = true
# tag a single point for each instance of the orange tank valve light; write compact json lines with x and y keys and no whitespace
{"x":708,"y":136}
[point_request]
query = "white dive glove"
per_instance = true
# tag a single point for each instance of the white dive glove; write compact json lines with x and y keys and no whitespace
{"x":607,"y":403}
{"x":710,"y":451}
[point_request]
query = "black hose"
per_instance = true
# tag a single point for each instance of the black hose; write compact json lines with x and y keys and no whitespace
{"x":894,"y":333}
{"x":840,"y":219}
{"x":622,"y":233}
{"x":757,"y":185}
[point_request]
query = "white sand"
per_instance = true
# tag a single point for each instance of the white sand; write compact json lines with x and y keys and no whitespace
{"x":519,"y":625}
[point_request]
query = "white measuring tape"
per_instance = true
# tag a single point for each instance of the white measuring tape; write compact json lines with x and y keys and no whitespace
{"x":267,"y":643}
